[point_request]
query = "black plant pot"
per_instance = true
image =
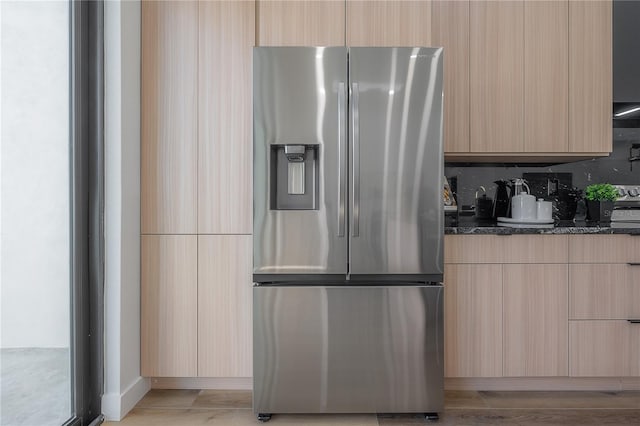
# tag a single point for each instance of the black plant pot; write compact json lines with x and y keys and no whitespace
{"x":599,"y":211}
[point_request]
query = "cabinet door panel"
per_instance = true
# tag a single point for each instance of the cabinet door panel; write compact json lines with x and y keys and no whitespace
{"x":168,"y":312}
{"x":603,"y":291}
{"x":546,"y":73}
{"x":450,"y":21}
{"x":590,"y":76}
{"x":473,"y":320}
{"x":300,"y":23}
{"x":168,"y":176}
{"x":604,"y":348}
{"x":535,"y":320}
{"x":225,"y":117}
{"x":388,"y":23}
{"x":496,"y":76}
{"x":224,"y":306}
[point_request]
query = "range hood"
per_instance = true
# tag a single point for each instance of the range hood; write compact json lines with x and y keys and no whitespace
{"x":626,"y":63}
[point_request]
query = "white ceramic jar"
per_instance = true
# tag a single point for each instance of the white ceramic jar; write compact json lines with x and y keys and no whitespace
{"x":523,"y":207}
{"x":544,"y":210}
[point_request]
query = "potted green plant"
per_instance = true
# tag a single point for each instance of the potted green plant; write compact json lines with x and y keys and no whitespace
{"x":600,"y":198}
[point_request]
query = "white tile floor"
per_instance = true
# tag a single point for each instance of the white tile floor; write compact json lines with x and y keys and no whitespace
{"x":34,"y":387}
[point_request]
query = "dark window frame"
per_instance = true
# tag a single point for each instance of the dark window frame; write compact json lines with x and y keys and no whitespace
{"x":87,"y":209}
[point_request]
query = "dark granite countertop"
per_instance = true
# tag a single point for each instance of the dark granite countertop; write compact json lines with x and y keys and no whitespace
{"x":469,"y":225}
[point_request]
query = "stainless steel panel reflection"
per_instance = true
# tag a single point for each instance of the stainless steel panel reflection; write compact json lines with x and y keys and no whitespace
{"x":348,"y":349}
{"x":296,"y":101}
{"x":399,"y":182}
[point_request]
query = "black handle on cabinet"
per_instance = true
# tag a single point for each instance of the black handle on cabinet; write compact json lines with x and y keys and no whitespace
{"x":633,"y":263}
{"x":634,"y":321}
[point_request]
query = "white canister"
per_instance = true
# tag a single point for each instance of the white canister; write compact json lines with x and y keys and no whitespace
{"x":523,"y":207}
{"x":544,"y":209}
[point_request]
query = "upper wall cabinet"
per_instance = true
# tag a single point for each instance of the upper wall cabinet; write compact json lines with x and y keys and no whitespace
{"x":226,"y":39}
{"x":300,"y":23}
{"x":590,"y":76}
{"x":496,"y":76}
{"x":331,"y":23}
{"x":450,"y":29}
{"x":546,"y":76}
{"x":538,"y":75}
{"x":388,"y":23}
{"x":169,"y":112}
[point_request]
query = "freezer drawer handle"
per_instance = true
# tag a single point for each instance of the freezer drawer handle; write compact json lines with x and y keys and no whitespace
{"x":341,"y":164}
{"x":355,"y":115}
{"x":633,"y":263}
{"x":634,"y":321}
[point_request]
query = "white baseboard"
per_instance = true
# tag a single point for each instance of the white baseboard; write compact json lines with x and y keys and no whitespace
{"x":223,"y":383}
{"x":115,"y":406}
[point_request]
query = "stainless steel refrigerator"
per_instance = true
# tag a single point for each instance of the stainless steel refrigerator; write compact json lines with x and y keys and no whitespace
{"x":348,"y":230}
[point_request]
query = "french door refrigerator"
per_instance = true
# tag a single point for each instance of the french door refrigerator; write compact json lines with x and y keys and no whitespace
{"x":348,"y":230}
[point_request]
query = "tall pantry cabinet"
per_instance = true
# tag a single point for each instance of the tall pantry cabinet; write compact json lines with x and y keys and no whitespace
{"x":196,"y":188}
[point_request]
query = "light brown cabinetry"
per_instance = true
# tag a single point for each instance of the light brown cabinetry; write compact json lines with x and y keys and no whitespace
{"x":539,"y":78}
{"x":169,"y":114}
{"x":604,"y":291}
{"x":450,"y":23}
{"x":590,"y":76}
{"x":506,"y":305}
{"x":337,"y":23}
{"x":496,"y":76}
{"x":473,"y":320}
{"x":546,"y":76}
{"x":226,"y":39}
{"x":604,"y":348}
{"x":300,"y":23}
{"x":224,"y":306}
{"x":604,"y":294}
{"x":196,"y":179}
{"x":168,"y":312}
{"x":388,"y":23}
{"x":535,"y":320}
{"x":506,"y":249}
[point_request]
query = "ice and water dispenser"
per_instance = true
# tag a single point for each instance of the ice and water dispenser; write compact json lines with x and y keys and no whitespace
{"x":294,"y":177}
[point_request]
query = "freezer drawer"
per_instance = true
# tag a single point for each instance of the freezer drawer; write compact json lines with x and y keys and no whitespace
{"x":348,"y":349}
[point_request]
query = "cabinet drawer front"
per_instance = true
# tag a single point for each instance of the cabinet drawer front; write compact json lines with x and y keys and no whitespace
{"x":505,"y":249}
{"x":604,"y":248}
{"x":604,"y":291}
{"x":603,"y":348}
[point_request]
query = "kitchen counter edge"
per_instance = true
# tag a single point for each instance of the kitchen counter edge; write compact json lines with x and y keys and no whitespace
{"x":500,"y":230}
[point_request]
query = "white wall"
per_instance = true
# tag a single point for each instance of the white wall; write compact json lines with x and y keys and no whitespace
{"x":124,"y":386}
{"x":34,"y":80}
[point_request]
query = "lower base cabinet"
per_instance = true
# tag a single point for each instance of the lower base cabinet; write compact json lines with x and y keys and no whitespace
{"x":604,"y":348}
{"x":168,"y":311}
{"x":196,"y":306}
{"x":473,"y":321}
{"x":535,"y":320}
{"x":506,"y":308}
{"x":224,"y":306}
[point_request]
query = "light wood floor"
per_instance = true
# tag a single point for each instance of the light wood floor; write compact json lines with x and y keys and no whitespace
{"x":233,"y":408}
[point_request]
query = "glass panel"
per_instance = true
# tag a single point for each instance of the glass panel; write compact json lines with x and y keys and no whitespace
{"x":35,"y":208}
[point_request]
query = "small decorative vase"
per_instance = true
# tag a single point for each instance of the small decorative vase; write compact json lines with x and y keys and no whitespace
{"x":599,"y":211}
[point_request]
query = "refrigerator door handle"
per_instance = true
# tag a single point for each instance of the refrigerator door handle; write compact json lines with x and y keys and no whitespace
{"x":341,"y":158}
{"x":355,"y":125}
